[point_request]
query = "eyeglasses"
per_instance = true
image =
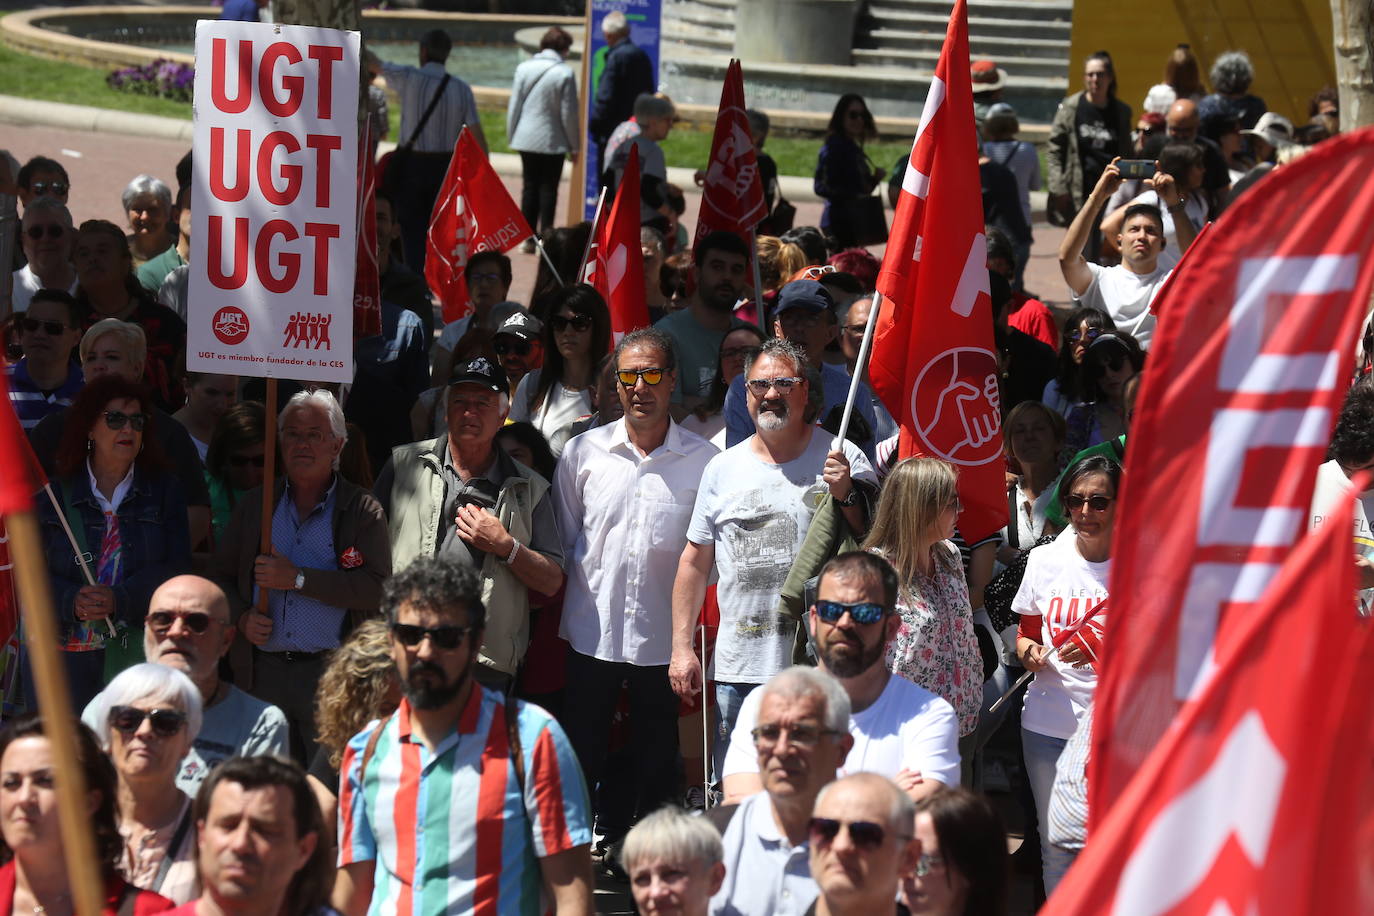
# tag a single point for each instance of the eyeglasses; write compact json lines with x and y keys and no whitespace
{"x":313,"y":437}
{"x":766,"y":736}
{"x":115,"y":419}
{"x":447,"y":637}
{"x":196,"y":621}
{"x":52,"y":231}
{"x":166,"y":722}
{"x":52,"y":328}
{"x":857,"y":330}
{"x":242,"y":461}
{"x":1092,"y":334}
{"x":43,"y":187}
{"x":1073,"y":502}
{"x":578,"y":323}
{"x":511,"y":347}
{"x":485,"y":278}
{"x":784,"y":384}
{"x":866,"y":835}
{"x":630,"y":377}
{"x":929,"y":862}
{"x":862,"y":612}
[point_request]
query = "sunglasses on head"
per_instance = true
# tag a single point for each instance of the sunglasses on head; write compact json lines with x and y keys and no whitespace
{"x":242,"y":461}
{"x":115,"y":419}
{"x":43,"y":187}
{"x":446,"y":637}
{"x":861,"y":612}
{"x":1073,"y":502}
{"x":866,"y":835}
{"x":784,"y":384}
{"x":511,"y":347}
{"x":196,"y":621}
{"x":52,"y":328}
{"x":630,"y":377}
{"x":816,"y":271}
{"x":52,"y":231}
{"x":166,"y":722}
{"x":578,"y":323}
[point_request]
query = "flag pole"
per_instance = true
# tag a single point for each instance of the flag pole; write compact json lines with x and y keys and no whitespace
{"x":55,"y":701}
{"x":758,"y":278}
{"x":269,"y":461}
{"x":548,"y":260}
{"x":76,"y":548}
{"x":587,"y":252}
{"x":859,"y":366}
{"x":705,"y":729}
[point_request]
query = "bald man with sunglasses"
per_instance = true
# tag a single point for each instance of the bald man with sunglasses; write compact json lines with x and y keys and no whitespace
{"x":623,"y":495}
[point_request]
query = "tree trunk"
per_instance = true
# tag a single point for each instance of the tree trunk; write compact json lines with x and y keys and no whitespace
{"x":1353,"y":31}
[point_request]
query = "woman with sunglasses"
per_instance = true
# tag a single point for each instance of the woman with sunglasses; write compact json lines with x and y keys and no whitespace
{"x":1081,"y":328}
{"x":843,"y":171}
{"x":127,"y":517}
{"x":33,"y":878}
{"x":576,"y":335}
{"x":234,"y":461}
{"x":708,"y":420}
{"x":963,"y":868}
{"x":935,"y":646}
{"x":1110,"y":361}
{"x":148,"y":716}
{"x":1063,"y":584}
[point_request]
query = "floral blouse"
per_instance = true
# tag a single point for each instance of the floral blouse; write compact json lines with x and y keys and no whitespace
{"x":936,"y":646}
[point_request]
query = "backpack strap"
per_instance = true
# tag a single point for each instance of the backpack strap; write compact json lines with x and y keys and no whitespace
{"x":370,"y":750}
{"x":429,"y":110}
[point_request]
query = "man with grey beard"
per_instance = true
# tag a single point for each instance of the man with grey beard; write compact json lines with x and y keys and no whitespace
{"x":753,"y":508}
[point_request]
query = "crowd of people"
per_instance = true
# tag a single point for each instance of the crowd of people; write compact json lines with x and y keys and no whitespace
{"x":517,"y":565}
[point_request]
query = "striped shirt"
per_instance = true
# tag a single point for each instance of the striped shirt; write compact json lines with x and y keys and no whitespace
{"x":1068,"y":808}
{"x":32,"y":403}
{"x":416,"y":86}
{"x":436,"y":823}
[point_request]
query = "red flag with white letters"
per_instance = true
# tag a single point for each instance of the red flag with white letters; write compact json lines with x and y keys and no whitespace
{"x":732,"y":198}
{"x":615,"y":263}
{"x":367,"y":295}
{"x":472,"y":213}
{"x":1257,"y":801}
{"x":933,"y":362}
{"x":1247,"y":372}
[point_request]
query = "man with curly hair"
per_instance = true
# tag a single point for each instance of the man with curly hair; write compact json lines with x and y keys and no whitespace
{"x":1352,"y":451}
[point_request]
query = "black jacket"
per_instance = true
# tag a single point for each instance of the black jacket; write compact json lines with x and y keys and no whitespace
{"x":627,"y":75}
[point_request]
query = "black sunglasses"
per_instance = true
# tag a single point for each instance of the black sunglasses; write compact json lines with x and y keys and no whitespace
{"x":862,"y":612}
{"x":115,"y":419}
{"x":166,"y":722}
{"x":578,"y":322}
{"x":447,"y":637}
{"x":1076,"y":335}
{"x":866,"y":835}
{"x":512,"y":347}
{"x":1074,"y":502}
{"x":52,"y":328}
{"x":43,"y":187}
{"x":52,"y":231}
{"x":196,"y":621}
{"x":242,"y":461}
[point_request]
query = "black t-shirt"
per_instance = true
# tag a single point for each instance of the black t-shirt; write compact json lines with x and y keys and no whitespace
{"x":1028,"y":366}
{"x":1098,"y":143}
{"x":321,"y":770}
{"x":1002,"y":202}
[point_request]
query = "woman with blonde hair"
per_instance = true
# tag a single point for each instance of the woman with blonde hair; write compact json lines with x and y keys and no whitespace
{"x":778,"y":260}
{"x":936,"y":646}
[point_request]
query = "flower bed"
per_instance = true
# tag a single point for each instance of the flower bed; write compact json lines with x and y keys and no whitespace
{"x":165,"y":78}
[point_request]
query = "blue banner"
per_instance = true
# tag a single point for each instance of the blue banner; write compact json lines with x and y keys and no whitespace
{"x":644,"y":17}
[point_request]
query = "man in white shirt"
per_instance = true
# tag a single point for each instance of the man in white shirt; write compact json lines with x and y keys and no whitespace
{"x":801,"y":739}
{"x":1124,"y":291}
{"x":900,"y":730}
{"x":752,"y":512}
{"x":623,"y":495}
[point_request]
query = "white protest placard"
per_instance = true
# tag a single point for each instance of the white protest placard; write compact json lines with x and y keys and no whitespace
{"x":273,"y":203}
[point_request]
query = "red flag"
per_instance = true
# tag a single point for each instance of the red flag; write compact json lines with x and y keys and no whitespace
{"x":20,"y":476}
{"x":615,"y":264}
{"x":732,"y":199}
{"x":933,"y":360}
{"x":1247,"y":372}
{"x":367,"y":282}
{"x":472,"y":213}
{"x":1257,"y":800}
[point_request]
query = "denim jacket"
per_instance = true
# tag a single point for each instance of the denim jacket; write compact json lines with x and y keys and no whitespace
{"x":154,"y":531}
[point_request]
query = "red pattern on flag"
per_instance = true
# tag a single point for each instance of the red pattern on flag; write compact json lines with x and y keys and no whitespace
{"x":1246,"y":375}
{"x":1240,"y":808}
{"x":367,"y":282}
{"x":732,"y":199}
{"x":933,"y":362}
{"x":615,"y":262}
{"x":472,"y":213}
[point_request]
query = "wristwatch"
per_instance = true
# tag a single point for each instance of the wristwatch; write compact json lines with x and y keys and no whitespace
{"x":300,"y":580}
{"x":851,"y":499}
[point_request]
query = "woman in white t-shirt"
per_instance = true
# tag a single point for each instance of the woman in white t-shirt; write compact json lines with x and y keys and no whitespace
{"x":576,"y":336}
{"x":1064,"y":582}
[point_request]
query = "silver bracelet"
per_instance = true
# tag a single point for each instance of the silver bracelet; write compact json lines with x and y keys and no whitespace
{"x":514,"y":552}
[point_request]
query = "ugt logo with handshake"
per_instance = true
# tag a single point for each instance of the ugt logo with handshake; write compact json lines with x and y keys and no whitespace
{"x":957,"y":407}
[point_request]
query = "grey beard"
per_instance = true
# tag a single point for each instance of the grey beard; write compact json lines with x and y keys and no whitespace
{"x":772,"y":419}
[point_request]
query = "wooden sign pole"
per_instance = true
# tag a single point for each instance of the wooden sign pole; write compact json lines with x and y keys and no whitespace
{"x":269,"y":467}
{"x":577,"y":187}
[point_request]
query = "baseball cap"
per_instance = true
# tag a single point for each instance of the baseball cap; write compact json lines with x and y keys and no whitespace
{"x":522,"y":325}
{"x":806,"y":294}
{"x":480,"y":371}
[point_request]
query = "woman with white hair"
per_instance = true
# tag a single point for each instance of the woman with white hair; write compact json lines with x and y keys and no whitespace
{"x":675,"y":862}
{"x":148,"y":203}
{"x":146,"y":720}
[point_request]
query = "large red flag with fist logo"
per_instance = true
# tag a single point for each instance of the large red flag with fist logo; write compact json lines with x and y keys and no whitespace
{"x":615,"y":262}
{"x":1258,"y":799}
{"x":472,"y":213}
{"x":732,"y":199}
{"x":933,"y":362}
{"x":1249,"y":366}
